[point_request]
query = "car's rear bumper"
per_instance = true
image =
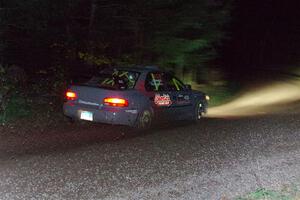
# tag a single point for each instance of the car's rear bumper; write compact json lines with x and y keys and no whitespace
{"x":120,"y":116}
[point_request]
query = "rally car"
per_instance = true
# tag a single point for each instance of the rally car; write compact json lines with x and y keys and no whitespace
{"x":134,"y":96}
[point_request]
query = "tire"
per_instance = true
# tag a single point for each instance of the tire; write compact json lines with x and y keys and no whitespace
{"x":144,"y":120}
{"x":199,"y":111}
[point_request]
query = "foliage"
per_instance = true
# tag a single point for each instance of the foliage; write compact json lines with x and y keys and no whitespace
{"x":285,"y":194}
{"x":12,"y":103}
{"x":6,"y":88}
{"x":94,"y":60}
{"x":16,"y":107}
{"x":191,"y":33}
{"x":58,"y":81}
{"x":50,"y":83}
{"x":171,"y":33}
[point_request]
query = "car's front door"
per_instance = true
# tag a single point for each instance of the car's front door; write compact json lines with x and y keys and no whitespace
{"x":162,"y":100}
{"x":181,"y":95}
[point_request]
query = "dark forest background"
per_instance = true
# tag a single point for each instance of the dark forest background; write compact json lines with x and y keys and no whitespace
{"x":176,"y":34}
{"x":44,"y":44}
{"x":179,"y":34}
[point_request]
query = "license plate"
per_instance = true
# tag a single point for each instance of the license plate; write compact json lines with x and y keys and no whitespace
{"x":86,"y":115}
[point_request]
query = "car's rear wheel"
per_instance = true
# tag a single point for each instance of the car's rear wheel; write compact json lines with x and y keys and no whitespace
{"x":144,"y":120}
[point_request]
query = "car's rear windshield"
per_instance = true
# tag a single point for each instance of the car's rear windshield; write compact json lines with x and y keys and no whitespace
{"x":115,"y":79}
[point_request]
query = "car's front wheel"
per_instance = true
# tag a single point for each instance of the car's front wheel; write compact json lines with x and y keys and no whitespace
{"x":199,"y":111}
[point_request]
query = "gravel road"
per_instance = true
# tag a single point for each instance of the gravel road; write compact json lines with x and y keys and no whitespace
{"x":215,"y":159}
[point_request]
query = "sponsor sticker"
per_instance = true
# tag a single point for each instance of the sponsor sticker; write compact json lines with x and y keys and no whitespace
{"x":162,"y":100}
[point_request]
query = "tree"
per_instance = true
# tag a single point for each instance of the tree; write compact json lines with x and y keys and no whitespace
{"x":190,"y":33}
{"x":172,"y":33}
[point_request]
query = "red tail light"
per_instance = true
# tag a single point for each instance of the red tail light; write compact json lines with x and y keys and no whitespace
{"x":70,"y":95}
{"x":117,"y":102}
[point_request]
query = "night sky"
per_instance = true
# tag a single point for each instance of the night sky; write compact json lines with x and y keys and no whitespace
{"x":263,"y":35}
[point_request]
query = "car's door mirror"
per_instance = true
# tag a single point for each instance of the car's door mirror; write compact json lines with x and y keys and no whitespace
{"x":188,"y":86}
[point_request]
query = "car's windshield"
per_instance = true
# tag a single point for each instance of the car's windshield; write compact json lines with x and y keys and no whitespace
{"x":115,"y":79}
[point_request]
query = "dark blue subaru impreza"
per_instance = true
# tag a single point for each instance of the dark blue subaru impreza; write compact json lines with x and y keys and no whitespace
{"x":134,"y":97}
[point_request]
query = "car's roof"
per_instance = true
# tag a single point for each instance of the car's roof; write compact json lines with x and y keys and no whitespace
{"x":140,"y":69}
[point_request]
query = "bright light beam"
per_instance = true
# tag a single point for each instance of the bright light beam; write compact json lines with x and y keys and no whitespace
{"x":260,"y":100}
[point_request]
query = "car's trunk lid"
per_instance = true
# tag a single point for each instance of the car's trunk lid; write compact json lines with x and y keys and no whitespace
{"x":93,"y":97}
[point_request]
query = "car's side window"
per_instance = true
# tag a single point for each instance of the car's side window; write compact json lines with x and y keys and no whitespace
{"x":173,"y":84}
{"x":155,"y":82}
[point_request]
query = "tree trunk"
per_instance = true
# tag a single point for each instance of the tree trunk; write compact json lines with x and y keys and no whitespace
{"x":92,"y":18}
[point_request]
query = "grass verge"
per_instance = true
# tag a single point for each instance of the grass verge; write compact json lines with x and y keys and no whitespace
{"x":287,"y":193}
